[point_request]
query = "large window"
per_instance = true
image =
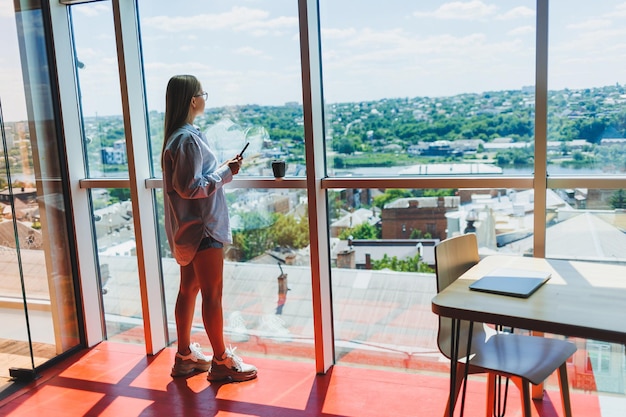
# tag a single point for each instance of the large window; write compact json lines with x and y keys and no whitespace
{"x":38,"y":305}
{"x":246,"y":55}
{"x":267,"y":289}
{"x":587,"y":117}
{"x":99,"y":87}
{"x":587,"y":129}
{"x":117,"y":263}
{"x":588,"y":226}
{"x":428,"y":88}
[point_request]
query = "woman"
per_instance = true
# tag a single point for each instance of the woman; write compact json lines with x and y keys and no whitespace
{"x":197,"y":227}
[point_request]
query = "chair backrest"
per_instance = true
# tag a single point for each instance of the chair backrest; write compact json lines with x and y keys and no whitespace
{"x":453,"y":257}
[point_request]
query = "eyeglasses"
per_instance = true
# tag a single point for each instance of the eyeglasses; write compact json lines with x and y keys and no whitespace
{"x":203,"y":94}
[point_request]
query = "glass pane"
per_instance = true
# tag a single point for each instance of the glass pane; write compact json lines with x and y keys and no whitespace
{"x":12,"y":111}
{"x":382,"y":250}
{"x":246,"y":55}
{"x":502,"y":218}
{"x":117,"y":260}
{"x":267,"y":279}
{"x":37,"y":287}
{"x":589,"y":226}
{"x":428,"y":88}
{"x":100,"y":97}
{"x":14,"y":335}
{"x":587,"y":117}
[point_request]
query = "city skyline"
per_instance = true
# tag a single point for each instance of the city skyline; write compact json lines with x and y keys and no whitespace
{"x":432,"y":49}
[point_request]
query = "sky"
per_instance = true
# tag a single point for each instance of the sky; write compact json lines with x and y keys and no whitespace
{"x":247,"y":51}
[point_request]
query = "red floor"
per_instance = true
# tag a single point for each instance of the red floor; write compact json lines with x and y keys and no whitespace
{"x":117,"y":380}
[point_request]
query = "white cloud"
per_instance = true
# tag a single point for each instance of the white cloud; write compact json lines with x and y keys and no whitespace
{"x":238,"y":19}
{"x":370,"y":39}
{"x":620,"y":11}
{"x":235,"y":18}
{"x":249,"y":51}
{"x":376,"y":47}
{"x":517,"y":13}
{"x":277,"y":24}
{"x":92,"y":9}
{"x":469,"y":10}
{"x":591,"y":24}
{"x":521,"y":30}
{"x":332,"y":33}
{"x":599,"y":45}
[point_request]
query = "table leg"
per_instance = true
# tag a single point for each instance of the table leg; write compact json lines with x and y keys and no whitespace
{"x":467,"y":363}
{"x":455,"y":344}
{"x":454,"y":355}
{"x":537,"y":390}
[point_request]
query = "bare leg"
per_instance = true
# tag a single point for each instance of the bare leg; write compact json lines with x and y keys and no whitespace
{"x":185,"y":306}
{"x":209,"y":271}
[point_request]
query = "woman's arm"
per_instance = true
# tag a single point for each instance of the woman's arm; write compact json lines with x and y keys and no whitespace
{"x":188,"y":179}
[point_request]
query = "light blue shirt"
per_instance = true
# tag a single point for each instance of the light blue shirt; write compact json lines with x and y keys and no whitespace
{"x":195,"y":204}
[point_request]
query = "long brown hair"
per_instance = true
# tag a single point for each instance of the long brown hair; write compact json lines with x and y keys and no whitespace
{"x":180,"y":91}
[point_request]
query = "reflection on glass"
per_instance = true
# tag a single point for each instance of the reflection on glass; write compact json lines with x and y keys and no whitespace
{"x":267,"y":278}
{"x":38,"y":308}
{"x":382,"y":251}
{"x":589,"y":226}
{"x":117,"y":261}
{"x":501,"y":218}
{"x":15,"y":337}
{"x":100,"y":100}
{"x":428,"y":88}
{"x":587,"y":117}
{"x":246,"y":55}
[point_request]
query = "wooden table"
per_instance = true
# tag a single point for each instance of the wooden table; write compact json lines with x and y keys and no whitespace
{"x":581,"y":299}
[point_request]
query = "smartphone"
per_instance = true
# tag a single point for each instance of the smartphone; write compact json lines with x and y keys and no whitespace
{"x":244,"y":149}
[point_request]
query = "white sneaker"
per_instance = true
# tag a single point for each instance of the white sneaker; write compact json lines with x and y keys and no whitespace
{"x":237,"y":328}
{"x":194,"y":361}
{"x":273,"y":326}
{"x":231,"y":367}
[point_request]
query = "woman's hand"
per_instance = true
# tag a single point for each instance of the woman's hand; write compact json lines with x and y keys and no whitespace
{"x":235,"y":164}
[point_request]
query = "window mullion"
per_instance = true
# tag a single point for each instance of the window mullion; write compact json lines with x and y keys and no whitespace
{"x":144,"y":213}
{"x":541,"y":132}
{"x":316,"y":171}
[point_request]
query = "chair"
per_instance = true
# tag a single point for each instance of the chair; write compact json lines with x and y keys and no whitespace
{"x":523,"y":359}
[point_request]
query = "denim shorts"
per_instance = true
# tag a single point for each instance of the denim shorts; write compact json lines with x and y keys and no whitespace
{"x":209,"y":242}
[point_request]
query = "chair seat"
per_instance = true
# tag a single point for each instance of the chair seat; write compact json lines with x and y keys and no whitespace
{"x":530,"y":357}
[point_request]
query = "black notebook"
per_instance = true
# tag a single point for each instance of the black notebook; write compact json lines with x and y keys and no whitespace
{"x":513,"y":282}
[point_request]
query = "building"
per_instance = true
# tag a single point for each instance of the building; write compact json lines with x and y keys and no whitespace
{"x":352,"y":220}
{"x":359,"y":254}
{"x":115,"y":155}
{"x":406,"y":217}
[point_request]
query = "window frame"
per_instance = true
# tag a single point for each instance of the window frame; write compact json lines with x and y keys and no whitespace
{"x":142,"y":182}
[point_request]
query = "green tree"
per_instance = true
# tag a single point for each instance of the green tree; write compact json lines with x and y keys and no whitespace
{"x":440,"y":192}
{"x":287,"y":231}
{"x":363,"y":231}
{"x":413,"y":264}
{"x":118,"y":194}
{"x":345,"y":146}
{"x":618,"y":199}
{"x":390,"y":195}
{"x":254,"y":237}
{"x":590,"y":129}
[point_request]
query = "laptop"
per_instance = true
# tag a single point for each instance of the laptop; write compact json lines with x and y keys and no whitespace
{"x":519,"y":283}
